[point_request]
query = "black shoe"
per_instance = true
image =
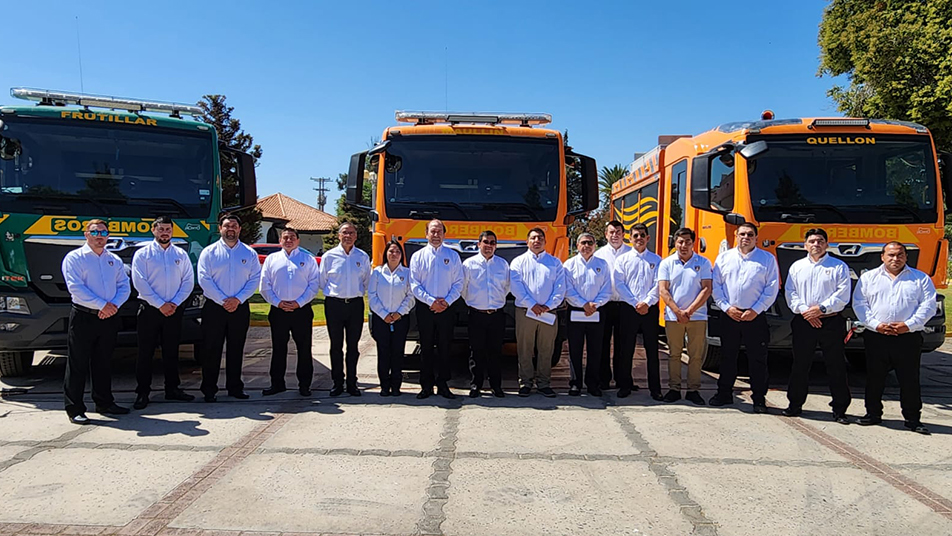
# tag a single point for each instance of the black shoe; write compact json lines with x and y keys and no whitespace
{"x":869,"y":420}
{"x":445,"y":392}
{"x":353,"y":391}
{"x":142,"y":401}
{"x":547,"y":392}
{"x":112,"y":409}
{"x":304,"y":391}
{"x":474,"y":393}
{"x":384,"y":391}
{"x":718,"y":401}
{"x":695,"y":397}
{"x":80,"y":419}
{"x":273,"y":391}
{"x":760,"y":408}
{"x":497,"y":392}
{"x":657,"y":396}
{"x":841,"y":418}
{"x":179,"y":395}
{"x":395,"y":392}
{"x":595,"y":391}
{"x":917,"y":427}
{"x":672,"y":396}
{"x":337,"y":390}
{"x":240,"y":395}
{"x":211,"y":398}
{"x":792,"y":411}
{"x":634,"y":387}
{"x":623,"y":393}
{"x":574,"y":391}
{"x":524,"y":391}
{"x":424,"y":393}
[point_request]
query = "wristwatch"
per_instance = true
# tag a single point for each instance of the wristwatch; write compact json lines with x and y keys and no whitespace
{"x":823,"y":309}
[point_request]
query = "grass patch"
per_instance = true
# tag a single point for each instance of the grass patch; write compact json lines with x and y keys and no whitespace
{"x":947,"y":292}
{"x":260,"y":308}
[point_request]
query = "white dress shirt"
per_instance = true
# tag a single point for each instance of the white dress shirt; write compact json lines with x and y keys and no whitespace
{"x":485,"y":282}
{"x":880,"y":299}
{"x":610,"y":254}
{"x":390,"y":291}
{"x":587,"y":281}
{"x":345,"y":275}
{"x":825,"y":282}
{"x":225,"y":272}
{"x":684,"y":280}
{"x":436,"y":273}
{"x":290,"y":277}
{"x":749,"y":281}
{"x":95,"y":280}
{"x":636,"y":277}
{"x":162,"y":275}
{"x":537,"y":279}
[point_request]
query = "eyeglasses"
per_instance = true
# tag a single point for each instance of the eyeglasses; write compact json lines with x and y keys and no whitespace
{"x":489,"y":242}
{"x":587,"y":243}
{"x":746,"y":234}
{"x":104,"y":232}
{"x":639,"y":235}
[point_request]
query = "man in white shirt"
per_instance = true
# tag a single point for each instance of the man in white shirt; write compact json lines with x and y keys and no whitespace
{"x":684,"y":283}
{"x":436,"y":280}
{"x":588,"y":287}
{"x":537,"y":282}
{"x":636,"y":282}
{"x":611,"y":312}
{"x":229,"y":273}
{"x":162,"y":274}
{"x":894,"y":302}
{"x":485,"y":287}
{"x":98,"y":286}
{"x":345,"y":276}
{"x":746,"y":283}
{"x":290,"y":279}
{"x":816,"y":290}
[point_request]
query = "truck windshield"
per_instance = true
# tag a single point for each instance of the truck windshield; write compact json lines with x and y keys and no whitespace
{"x":50,"y":167}
{"x":845,"y":179}
{"x":473,"y":177}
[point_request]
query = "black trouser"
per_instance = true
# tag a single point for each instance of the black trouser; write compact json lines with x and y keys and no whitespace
{"x":903,"y":353}
{"x":391,"y":347}
{"x":345,"y":320}
{"x":611,"y":320}
{"x":154,"y":328}
{"x":754,"y":335}
{"x":486,"y":331}
{"x":90,"y":342}
{"x":632,"y":324}
{"x":284,"y":325}
{"x":830,"y":338}
{"x":218,"y":326}
{"x":435,"y":328}
{"x":580,"y":334}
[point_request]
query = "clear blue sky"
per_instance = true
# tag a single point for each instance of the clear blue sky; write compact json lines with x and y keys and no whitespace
{"x":313,"y":82}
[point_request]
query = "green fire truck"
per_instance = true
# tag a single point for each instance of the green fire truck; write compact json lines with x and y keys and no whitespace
{"x":68,"y":158}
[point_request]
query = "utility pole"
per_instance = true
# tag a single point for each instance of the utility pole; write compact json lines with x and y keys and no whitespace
{"x":321,"y":192}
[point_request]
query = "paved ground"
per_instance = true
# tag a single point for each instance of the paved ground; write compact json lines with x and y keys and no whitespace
{"x":512,"y":466}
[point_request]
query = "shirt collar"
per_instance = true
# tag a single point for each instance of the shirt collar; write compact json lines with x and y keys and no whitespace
{"x":225,"y":244}
{"x":538,"y":256}
{"x":87,"y":250}
{"x":435,"y":249}
{"x":293,"y":251}
{"x":818,"y":261}
{"x":684,"y":263}
{"x":748,"y":256}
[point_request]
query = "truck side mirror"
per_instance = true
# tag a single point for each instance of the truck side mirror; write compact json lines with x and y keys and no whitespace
{"x":586,"y":172}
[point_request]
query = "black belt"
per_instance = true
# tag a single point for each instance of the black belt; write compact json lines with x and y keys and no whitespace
{"x":484,"y":311}
{"x":343,"y":300}
{"x":86,"y":310}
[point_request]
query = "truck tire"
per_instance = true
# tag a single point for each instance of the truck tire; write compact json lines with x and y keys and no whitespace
{"x":712,"y":359}
{"x":15,"y":363}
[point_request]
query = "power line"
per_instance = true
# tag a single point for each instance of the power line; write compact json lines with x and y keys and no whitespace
{"x":321,"y":192}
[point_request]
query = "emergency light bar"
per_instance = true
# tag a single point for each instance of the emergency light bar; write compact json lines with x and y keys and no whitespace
{"x":427,"y":118}
{"x":61,"y":98}
{"x":845,"y":122}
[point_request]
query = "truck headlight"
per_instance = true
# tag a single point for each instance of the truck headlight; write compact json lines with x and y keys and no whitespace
{"x":14,"y":304}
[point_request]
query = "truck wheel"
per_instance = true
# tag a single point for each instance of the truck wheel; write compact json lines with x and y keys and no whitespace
{"x":15,"y":363}
{"x":856,"y":359}
{"x":712,"y":359}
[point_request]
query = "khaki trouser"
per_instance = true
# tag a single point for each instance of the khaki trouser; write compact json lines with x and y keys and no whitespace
{"x":696,"y":331}
{"x":532,"y":335}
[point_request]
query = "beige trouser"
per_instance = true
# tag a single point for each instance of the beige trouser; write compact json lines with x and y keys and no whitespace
{"x":696,"y":331}
{"x":532,"y":335}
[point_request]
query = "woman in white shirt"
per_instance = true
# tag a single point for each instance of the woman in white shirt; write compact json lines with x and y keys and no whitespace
{"x":390,"y":302}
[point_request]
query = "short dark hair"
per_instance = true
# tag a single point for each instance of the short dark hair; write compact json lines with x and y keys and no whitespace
{"x":615,"y":223}
{"x":639,"y":227}
{"x":229,"y":216}
{"x":535,"y":230}
{"x":162,"y":220}
{"x":816,"y":231}
{"x":750,"y":226}
{"x":289,"y":229}
{"x":895,"y":243}
{"x":486,"y":233}
{"x":684,"y":231}
{"x":394,"y":242}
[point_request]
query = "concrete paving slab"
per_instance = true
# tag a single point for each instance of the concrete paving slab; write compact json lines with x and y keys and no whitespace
{"x":938,"y":479}
{"x":9,"y":451}
{"x":24,"y":423}
{"x":310,"y":493}
{"x":806,"y":500}
{"x":531,"y":430}
{"x":86,"y":487}
{"x":893,"y":444}
{"x":518,"y":497}
{"x":725,"y":433}
{"x":363,"y":427}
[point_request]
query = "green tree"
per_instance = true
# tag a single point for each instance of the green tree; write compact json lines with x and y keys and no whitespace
{"x":230,"y":134}
{"x":360,"y":218}
{"x":896,"y":57}
{"x":606,"y":178}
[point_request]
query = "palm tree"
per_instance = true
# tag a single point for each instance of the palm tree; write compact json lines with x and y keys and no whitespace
{"x":606,"y":178}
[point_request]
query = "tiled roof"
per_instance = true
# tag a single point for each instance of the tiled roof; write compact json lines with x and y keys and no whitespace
{"x":298,"y":215}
